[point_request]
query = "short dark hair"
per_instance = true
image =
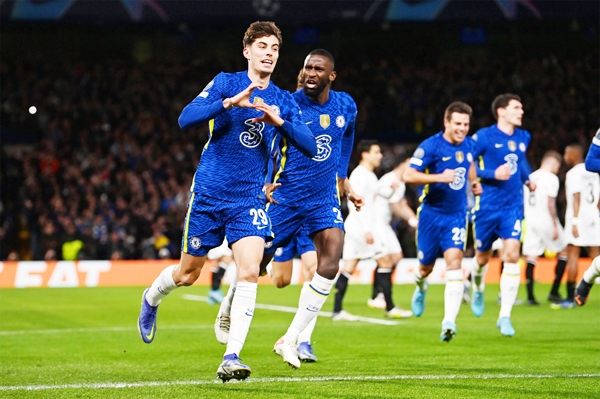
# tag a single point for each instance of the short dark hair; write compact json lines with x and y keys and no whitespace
{"x":325,"y":54}
{"x":365,"y":146}
{"x":259,"y":29}
{"x":501,"y":101}
{"x":458,"y":107}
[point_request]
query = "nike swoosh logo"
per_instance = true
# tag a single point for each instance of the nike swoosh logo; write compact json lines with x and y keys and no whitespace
{"x":151,"y":333}
{"x":446,"y":158}
{"x":261,"y":227}
{"x":248,"y":314}
{"x":498,"y":145}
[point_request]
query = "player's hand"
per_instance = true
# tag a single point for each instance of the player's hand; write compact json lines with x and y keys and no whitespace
{"x":531,"y":185}
{"x":369,"y":238}
{"x":447,"y":176}
{"x":269,"y":116}
{"x":242,"y":99}
{"x":476,"y":187}
{"x":394,"y":185}
{"x":268,"y":189}
{"x":502,"y":172}
{"x":356,"y":199}
{"x":575,"y":231}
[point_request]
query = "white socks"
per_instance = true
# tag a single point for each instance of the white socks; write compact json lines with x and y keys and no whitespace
{"x":420,"y":281}
{"x":306,"y":334}
{"x":478,"y":276}
{"x":311,"y":302}
{"x":162,"y":286}
{"x":589,"y":276}
{"x":453,"y":295}
{"x":242,"y":311}
{"x":509,"y":287}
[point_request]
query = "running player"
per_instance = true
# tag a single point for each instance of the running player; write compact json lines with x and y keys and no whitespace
{"x":390,"y":200}
{"x":363,"y":239}
{"x":544,"y":231}
{"x":281,"y":275}
{"x":246,"y":112}
{"x":444,"y":163}
{"x":592,"y":164}
{"x":582,"y":226}
{"x":503,"y":169}
{"x":307,"y":198}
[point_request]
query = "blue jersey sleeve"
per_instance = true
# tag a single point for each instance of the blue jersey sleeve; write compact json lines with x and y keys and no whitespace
{"x":347,"y":143}
{"x":479,"y":149}
{"x":423,"y":156}
{"x":592,"y":161}
{"x":524,"y":165}
{"x":206,"y":106}
{"x":295,"y":130}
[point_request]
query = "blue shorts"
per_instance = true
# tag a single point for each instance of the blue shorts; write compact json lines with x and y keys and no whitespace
{"x":288,"y":221}
{"x":504,"y":223}
{"x":438,"y":232}
{"x":300,"y":244}
{"x":209,"y":221}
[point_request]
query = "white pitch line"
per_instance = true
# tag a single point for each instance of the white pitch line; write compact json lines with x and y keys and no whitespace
{"x":120,"y":385}
{"x":288,"y":309}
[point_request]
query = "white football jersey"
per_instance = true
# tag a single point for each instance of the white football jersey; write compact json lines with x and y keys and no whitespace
{"x":364,"y":183}
{"x":579,"y":180}
{"x":536,"y":202}
{"x":387,"y":195}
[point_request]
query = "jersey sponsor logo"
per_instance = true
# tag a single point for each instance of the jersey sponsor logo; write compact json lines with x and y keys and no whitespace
{"x":459,"y":179}
{"x":276,"y":109}
{"x":460,"y":157}
{"x":340,"y":121}
{"x":522,"y":147}
{"x":498,"y":145}
{"x":446,"y":158}
{"x":195,"y":242}
{"x":512,"y":162}
{"x":419,"y":153}
{"x":512,"y":145}
{"x":323,"y":146}
{"x":253,"y":136}
{"x":324,"y":121}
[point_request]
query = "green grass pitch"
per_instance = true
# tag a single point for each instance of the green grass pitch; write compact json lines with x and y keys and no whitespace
{"x":83,"y":343}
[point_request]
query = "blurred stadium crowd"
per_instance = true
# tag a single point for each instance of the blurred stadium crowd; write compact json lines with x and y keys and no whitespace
{"x":102,"y":169}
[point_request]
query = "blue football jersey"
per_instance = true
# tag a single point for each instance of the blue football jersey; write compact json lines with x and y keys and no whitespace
{"x":592,"y":161}
{"x":313,"y":180}
{"x":494,"y":148}
{"x":233,"y":165}
{"x":435,"y":155}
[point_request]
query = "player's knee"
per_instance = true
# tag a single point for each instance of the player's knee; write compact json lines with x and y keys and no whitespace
{"x":426,"y":271}
{"x":280,"y":280}
{"x":187,"y":279}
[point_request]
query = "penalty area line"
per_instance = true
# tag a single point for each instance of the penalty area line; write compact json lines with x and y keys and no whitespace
{"x":121,"y":385}
{"x":288,"y":309}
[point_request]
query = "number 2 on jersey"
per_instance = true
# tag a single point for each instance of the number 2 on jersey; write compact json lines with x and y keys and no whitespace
{"x":260,"y":217}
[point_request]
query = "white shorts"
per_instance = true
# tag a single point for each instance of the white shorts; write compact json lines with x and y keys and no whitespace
{"x":390,"y":240}
{"x":589,"y":233}
{"x":539,"y":238}
{"x":220,"y":251}
{"x":356,"y":247}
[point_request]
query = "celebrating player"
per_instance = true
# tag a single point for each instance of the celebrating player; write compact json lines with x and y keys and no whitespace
{"x":544,"y":230}
{"x":444,"y":163}
{"x":503,"y":169}
{"x":307,"y":198}
{"x":246,"y":112}
{"x":592,"y":164}
{"x":582,"y":227}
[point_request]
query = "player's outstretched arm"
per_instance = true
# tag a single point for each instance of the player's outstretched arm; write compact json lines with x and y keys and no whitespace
{"x":299,"y":134}
{"x":413,"y":176}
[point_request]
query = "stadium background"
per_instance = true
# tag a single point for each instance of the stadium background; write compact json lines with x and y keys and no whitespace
{"x":102,"y":166}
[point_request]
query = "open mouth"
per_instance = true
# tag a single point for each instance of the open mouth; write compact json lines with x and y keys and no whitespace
{"x":311,"y":84}
{"x":268,"y":63}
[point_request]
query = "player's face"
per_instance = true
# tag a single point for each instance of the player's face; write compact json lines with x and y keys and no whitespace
{"x":318,"y":74}
{"x":374,"y":156}
{"x":456,"y":129}
{"x":554,"y":165}
{"x":569,"y":156}
{"x":263,"y":54}
{"x":513,"y":113}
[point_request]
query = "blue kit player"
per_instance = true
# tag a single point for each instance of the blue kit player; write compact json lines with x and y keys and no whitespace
{"x":444,"y":164}
{"x":245,"y":112}
{"x":307,"y":196}
{"x":503,"y":170}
